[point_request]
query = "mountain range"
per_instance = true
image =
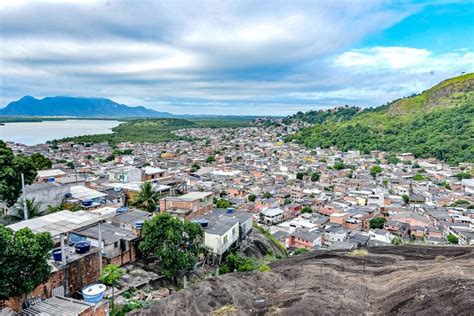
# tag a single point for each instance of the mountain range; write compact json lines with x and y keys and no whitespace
{"x":77,"y":107}
{"x":438,"y":122}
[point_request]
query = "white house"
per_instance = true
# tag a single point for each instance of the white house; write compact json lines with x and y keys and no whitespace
{"x":271,"y":216}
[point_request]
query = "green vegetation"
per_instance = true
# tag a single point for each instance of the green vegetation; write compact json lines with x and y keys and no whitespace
{"x":175,"y":242}
{"x":23,"y":258}
{"x":397,"y":241}
{"x":324,"y":116}
{"x":437,"y":123}
{"x":463,"y":175}
{"x":223,"y":203}
{"x":418,"y":177}
{"x":147,"y":198}
{"x":252,"y":197}
{"x":40,"y":162}
{"x":267,"y":195}
{"x":306,"y":209}
{"x":155,"y":130}
{"x":339,"y":165}
{"x":110,"y":276}
{"x":11,"y":168}
{"x":375,"y":170}
{"x":235,"y":262}
{"x":452,"y":239}
{"x":300,"y":251}
{"x":377,"y":222}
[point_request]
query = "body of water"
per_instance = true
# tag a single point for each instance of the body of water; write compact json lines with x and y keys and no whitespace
{"x":32,"y":133}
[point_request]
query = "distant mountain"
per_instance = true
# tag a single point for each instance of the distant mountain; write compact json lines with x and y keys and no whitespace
{"x":76,"y":106}
{"x":438,"y":122}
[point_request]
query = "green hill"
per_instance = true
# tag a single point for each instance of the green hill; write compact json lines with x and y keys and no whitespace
{"x":436,"y":123}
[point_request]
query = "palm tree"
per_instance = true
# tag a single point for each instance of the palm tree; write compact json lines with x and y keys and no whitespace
{"x":147,"y":198}
{"x":33,"y":209}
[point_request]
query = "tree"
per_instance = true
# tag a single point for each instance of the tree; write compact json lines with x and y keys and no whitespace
{"x":235,"y":262}
{"x":110,"y":276}
{"x":175,"y":242}
{"x":11,"y":168}
{"x":418,"y":177}
{"x":33,"y":209}
{"x":377,"y":222}
{"x":392,"y":159}
{"x":375,"y":170}
{"x":267,"y":195}
{"x":210,"y":159}
{"x":195,"y":167}
{"x":40,"y":162}
{"x":252,"y":197}
{"x":306,"y":209}
{"x":147,"y":198}
{"x":223,"y":203}
{"x":339,"y":165}
{"x":463,"y":175}
{"x":23,"y":258}
{"x":299,"y":175}
{"x":315,"y":177}
{"x":452,"y":239}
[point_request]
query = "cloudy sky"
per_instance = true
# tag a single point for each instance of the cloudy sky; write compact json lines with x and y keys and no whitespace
{"x":233,"y":57}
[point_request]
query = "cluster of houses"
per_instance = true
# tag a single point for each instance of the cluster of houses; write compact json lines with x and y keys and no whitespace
{"x":307,"y":198}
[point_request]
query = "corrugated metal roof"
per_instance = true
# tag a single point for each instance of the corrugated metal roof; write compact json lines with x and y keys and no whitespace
{"x":57,"y":306}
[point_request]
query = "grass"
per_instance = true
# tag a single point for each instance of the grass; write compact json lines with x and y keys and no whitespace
{"x":225,"y":310}
{"x":358,"y":253}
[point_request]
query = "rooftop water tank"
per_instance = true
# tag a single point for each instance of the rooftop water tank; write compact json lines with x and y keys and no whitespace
{"x":51,"y":179}
{"x":87,"y":203}
{"x":139,"y":224}
{"x":230,"y":210}
{"x":68,"y":195}
{"x":93,"y":293}
{"x":117,"y":189}
{"x":121,"y":210}
{"x":57,"y":256}
{"x":82,"y":247}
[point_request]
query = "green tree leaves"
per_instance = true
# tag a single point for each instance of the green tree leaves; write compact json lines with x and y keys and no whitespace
{"x":23,"y":261}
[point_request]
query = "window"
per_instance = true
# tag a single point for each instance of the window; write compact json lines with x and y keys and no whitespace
{"x":116,"y":244}
{"x":225,"y":239}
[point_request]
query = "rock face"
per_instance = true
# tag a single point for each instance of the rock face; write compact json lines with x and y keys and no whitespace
{"x":388,"y":281}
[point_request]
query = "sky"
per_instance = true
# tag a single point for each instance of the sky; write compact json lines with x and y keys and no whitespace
{"x":233,"y":57}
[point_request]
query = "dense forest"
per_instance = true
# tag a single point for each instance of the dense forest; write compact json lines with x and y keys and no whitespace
{"x":436,"y":123}
{"x":338,"y":114}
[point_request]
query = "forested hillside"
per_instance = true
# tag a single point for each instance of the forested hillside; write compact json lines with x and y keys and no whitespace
{"x":436,"y":123}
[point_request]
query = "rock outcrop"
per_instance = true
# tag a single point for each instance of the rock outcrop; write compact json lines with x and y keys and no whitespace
{"x":386,"y":281}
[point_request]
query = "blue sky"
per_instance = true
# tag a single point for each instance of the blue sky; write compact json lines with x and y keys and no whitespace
{"x":233,"y":57}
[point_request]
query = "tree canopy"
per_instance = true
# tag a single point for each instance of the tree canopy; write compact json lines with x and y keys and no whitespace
{"x":23,"y":261}
{"x":11,"y":168}
{"x":377,"y":222}
{"x":177,"y":243}
{"x":40,"y":162}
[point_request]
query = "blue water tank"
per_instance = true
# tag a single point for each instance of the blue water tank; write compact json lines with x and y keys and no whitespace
{"x":139,"y":224}
{"x":82,"y":247}
{"x":87,"y":203}
{"x":51,"y":179}
{"x":230,"y":210}
{"x":57,"y":256}
{"x":121,"y":210}
{"x":68,"y":195}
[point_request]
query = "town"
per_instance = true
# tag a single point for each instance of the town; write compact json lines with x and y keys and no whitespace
{"x":243,"y":186}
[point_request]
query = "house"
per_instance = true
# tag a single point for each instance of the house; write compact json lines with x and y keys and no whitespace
{"x":152,"y":173}
{"x":271,"y":216}
{"x":45,"y":194}
{"x":59,"y":305}
{"x":119,"y":245}
{"x":397,"y":228}
{"x":125,"y":174}
{"x":301,"y":238}
{"x":49,"y":175}
{"x":87,"y":197}
{"x":380,"y":235}
{"x":188,"y":205}
{"x":220,"y":233}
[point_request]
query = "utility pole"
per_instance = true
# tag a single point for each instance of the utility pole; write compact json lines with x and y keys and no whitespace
{"x":100,"y":248}
{"x":25,"y":209}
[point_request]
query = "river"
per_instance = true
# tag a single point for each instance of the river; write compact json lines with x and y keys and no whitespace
{"x":32,"y":133}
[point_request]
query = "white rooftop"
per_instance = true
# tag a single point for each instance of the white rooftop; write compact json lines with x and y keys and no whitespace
{"x":82,"y":193}
{"x":59,"y":222}
{"x":153,"y":170}
{"x":136,"y":186}
{"x":50,"y":173}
